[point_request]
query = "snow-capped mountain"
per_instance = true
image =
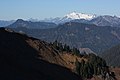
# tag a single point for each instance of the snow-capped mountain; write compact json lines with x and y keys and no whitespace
{"x":70,"y":17}
{"x":101,"y":20}
{"x":106,"y":20}
{"x":75,"y":15}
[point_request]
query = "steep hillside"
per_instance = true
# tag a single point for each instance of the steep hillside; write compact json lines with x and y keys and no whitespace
{"x":88,"y":66}
{"x":27,"y":58}
{"x":96,"y":38}
{"x":112,"y":56}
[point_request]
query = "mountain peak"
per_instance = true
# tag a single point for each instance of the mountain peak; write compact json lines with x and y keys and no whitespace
{"x":71,"y":16}
{"x":20,"y":20}
{"x":76,"y":15}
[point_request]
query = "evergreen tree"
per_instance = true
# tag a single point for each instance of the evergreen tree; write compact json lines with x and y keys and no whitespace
{"x":82,"y":69}
{"x":76,"y":51}
{"x":67,"y":48}
{"x":60,"y":47}
{"x":55,"y":44}
{"x":78,"y":66}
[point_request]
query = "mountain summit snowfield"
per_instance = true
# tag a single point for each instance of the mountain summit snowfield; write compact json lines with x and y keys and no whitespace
{"x":69,"y":17}
{"x":75,"y":15}
{"x":99,"y":20}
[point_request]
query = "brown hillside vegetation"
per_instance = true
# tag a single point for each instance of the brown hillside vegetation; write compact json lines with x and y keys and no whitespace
{"x":46,"y":52}
{"x":117,"y":72}
{"x":26,"y":58}
{"x":70,"y":60}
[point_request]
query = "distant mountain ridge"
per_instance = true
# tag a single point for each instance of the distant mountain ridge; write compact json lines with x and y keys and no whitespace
{"x":102,"y":20}
{"x":99,"y":20}
{"x":80,"y":35}
{"x":32,"y":25}
{"x":112,"y":56}
{"x":4,"y":23}
{"x":106,"y":20}
{"x":69,"y":17}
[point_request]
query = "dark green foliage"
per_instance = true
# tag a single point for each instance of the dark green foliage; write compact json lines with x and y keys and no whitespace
{"x":78,"y":66}
{"x":86,"y":69}
{"x":97,"y":62}
{"x":67,"y":48}
{"x":55,"y":44}
{"x":76,"y":51}
{"x":60,"y":47}
{"x":94,"y":66}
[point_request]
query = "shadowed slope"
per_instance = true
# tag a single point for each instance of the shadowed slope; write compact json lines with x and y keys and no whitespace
{"x":20,"y":61}
{"x":112,"y":56}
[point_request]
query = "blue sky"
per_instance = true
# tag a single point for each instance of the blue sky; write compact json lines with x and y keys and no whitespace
{"x":40,"y":9}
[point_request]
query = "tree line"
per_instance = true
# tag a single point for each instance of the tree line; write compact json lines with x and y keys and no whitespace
{"x":60,"y":47}
{"x":94,"y":65}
